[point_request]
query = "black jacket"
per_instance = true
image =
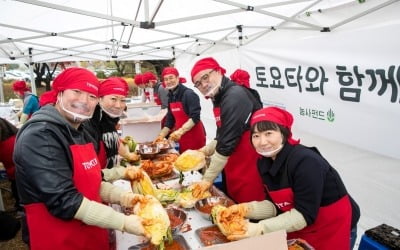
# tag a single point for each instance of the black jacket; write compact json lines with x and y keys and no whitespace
{"x":44,"y":167}
{"x":236,"y":105}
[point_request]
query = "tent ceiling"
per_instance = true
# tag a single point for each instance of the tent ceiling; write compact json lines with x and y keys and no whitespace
{"x":70,"y":30}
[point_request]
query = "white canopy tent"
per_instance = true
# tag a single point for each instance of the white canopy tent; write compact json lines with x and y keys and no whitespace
{"x":263,"y":37}
{"x":73,"y":30}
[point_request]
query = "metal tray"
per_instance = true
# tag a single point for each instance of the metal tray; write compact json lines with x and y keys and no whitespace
{"x":216,"y":237}
{"x":299,"y":242}
{"x":178,"y":239}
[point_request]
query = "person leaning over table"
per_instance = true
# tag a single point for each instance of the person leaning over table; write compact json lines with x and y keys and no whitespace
{"x":30,"y":101}
{"x":306,"y":196}
{"x":231,"y":152}
{"x":58,"y":172}
{"x":183,"y":117}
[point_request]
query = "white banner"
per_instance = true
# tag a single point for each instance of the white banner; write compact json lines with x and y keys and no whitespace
{"x":342,"y":85}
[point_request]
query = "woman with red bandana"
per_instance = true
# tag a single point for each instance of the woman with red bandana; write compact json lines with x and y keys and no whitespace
{"x":59,"y":175}
{"x":306,"y":196}
{"x":183,"y":117}
{"x":31,"y":102}
{"x":231,"y":152}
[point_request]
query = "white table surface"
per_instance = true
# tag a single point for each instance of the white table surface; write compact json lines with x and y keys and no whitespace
{"x":126,"y":240}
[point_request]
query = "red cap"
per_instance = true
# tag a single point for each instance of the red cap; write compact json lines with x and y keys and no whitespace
{"x":241,"y":77}
{"x":138,"y":79}
{"x":169,"y":71}
{"x":149,"y":76}
{"x":74,"y":78}
{"x":114,"y":86}
{"x":20,"y":87}
{"x":206,"y":63}
{"x":172,"y":71}
{"x":47,"y":97}
{"x":278,"y":116}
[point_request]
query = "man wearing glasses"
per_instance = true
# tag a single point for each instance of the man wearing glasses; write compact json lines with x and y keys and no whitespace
{"x":231,"y":152}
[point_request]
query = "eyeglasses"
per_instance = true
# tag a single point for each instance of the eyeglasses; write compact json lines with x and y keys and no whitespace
{"x":203,"y":78}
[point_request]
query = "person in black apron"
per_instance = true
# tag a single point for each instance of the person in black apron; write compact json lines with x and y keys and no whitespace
{"x":59,"y":175}
{"x":305,"y":194}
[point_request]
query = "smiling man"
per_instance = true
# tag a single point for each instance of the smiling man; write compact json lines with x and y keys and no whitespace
{"x":231,"y":152}
{"x":58,"y":172}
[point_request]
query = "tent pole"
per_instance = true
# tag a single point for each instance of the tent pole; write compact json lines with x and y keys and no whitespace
{"x":2,"y":72}
{"x":33,"y":85}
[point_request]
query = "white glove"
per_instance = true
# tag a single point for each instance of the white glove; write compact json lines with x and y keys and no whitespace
{"x":199,"y":188}
{"x":97,"y":214}
{"x":217,"y":164}
{"x":163,"y":133}
{"x":253,"y":229}
{"x":209,"y":149}
{"x":290,"y":221}
{"x":133,"y":224}
{"x":112,"y":174}
{"x":177,"y":134}
{"x":116,"y":195}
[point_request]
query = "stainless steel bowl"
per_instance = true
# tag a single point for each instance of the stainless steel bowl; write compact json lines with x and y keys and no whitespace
{"x":148,"y":150}
{"x":204,"y":206}
{"x":177,"y":218}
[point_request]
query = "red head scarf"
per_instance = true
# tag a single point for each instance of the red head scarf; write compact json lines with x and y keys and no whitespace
{"x":74,"y":78}
{"x":46,"y":98}
{"x":172,"y":71}
{"x":139,"y":79}
{"x":241,"y":77}
{"x":278,"y":116}
{"x":114,"y":86}
{"x":148,"y":76}
{"x":206,"y":63}
{"x":20,"y":87}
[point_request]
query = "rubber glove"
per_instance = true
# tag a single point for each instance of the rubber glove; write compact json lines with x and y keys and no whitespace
{"x":112,"y":174}
{"x":123,"y":150}
{"x":254,"y":210}
{"x":217,"y":164}
{"x":133,"y":173}
{"x":97,"y":214}
{"x":163,"y":133}
{"x":209,"y":149}
{"x":188,"y":125}
{"x":115,"y":195}
{"x":199,"y":188}
{"x":134,"y":225}
{"x":176,"y":135}
{"x":290,"y":221}
{"x":119,"y":172}
{"x":252,"y":229}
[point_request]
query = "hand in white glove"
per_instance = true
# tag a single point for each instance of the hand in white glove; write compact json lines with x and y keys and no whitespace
{"x":209,"y":149}
{"x":199,"y":188}
{"x":252,"y":229}
{"x":176,"y":135}
{"x":123,"y":150}
{"x":163,"y":133}
{"x":129,"y":199}
{"x":133,"y":224}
